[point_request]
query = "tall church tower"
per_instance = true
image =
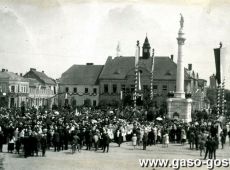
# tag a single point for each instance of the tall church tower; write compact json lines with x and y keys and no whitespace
{"x":146,"y":49}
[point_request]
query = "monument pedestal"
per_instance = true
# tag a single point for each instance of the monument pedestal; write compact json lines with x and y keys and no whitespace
{"x":179,"y":108}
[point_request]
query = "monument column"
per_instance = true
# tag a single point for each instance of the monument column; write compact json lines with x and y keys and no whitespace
{"x":178,"y":106}
{"x":180,"y":65}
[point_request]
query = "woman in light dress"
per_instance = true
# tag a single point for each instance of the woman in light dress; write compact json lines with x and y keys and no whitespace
{"x":183,"y":137}
{"x":134,"y":140}
{"x":166,"y":139}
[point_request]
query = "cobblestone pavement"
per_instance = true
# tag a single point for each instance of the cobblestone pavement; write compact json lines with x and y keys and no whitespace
{"x":118,"y":158}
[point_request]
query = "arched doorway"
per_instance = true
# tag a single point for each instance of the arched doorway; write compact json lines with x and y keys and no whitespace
{"x":176,"y":115}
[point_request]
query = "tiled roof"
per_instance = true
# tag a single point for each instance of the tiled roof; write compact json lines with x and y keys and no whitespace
{"x":41,"y":76}
{"x":118,"y":68}
{"x":44,"y":77}
{"x":12,"y":76}
{"x":81,"y":75}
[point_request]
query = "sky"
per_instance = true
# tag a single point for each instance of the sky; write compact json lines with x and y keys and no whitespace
{"x":52,"y":35}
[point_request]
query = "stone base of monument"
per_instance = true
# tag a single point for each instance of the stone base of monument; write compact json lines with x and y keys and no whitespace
{"x":179,"y":108}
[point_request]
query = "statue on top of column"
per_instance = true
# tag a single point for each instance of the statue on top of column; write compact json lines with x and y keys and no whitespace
{"x":181,"y":21}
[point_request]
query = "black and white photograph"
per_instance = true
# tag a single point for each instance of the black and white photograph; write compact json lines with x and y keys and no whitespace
{"x":114,"y":84}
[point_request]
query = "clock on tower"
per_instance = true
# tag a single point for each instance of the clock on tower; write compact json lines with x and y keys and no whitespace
{"x":146,"y":49}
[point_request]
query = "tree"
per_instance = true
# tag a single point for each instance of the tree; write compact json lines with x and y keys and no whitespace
{"x":211,"y":95}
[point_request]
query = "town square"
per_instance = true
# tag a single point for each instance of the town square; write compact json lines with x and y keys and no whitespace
{"x":114,"y":85}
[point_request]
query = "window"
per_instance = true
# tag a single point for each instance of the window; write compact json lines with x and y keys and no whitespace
{"x":145,"y":87}
{"x":164,"y":88}
{"x":75,"y":90}
{"x":67,"y":89}
{"x":114,"y":88}
{"x":132,"y":88}
{"x":86,"y":90}
{"x":54,"y":90}
{"x":94,"y":103}
{"x":12,"y":89}
{"x":95,"y":90}
{"x":106,"y":88}
{"x":154,"y":87}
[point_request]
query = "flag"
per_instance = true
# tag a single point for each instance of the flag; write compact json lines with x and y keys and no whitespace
{"x":217,"y":61}
{"x":220,"y":60}
{"x":139,"y":81}
{"x":137,"y":54}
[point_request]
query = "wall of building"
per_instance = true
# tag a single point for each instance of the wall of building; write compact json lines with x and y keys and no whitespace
{"x":18,"y":93}
{"x":79,"y":96}
{"x":160,"y":88}
{"x":41,"y":95}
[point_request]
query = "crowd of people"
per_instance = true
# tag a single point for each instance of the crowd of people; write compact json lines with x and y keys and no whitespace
{"x":35,"y":130}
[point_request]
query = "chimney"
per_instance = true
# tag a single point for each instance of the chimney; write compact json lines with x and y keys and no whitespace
{"x":43,"y":71}
{"x":21,"y":74}
{"x":171,"y":57}
{"x":3,"y":70}
{"x":189,"y":67}
{"x":32,"y":69}
{"x":89,"y":64}
{"x":6,"y":70}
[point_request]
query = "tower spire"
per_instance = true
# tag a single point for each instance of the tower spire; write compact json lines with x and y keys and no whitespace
{"x":146,"y":48}
{"x":118,"y":49}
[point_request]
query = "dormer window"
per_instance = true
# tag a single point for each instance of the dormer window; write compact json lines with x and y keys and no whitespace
{"x":116,"y":72}
{"x":168,"y":73}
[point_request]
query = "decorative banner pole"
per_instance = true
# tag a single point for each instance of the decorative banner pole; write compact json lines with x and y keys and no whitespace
{"x":218,"y":100}
{"x":151,"y":81}
{"x":217,"y":53}
{"x":223,"y":100}
{"x":136,"y":73}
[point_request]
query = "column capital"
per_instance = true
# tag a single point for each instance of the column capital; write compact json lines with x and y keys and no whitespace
{"x":181,"y":40}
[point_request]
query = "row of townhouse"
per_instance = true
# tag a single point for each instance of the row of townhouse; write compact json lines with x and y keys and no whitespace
{"x":32,"y":89}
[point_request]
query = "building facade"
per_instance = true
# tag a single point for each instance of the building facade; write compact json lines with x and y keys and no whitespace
{"x":212,"y":80}
{"x":42,"y":89}
{"x":79,"y":85}
{"x":118,"y":76}
{"x":14,"y":89}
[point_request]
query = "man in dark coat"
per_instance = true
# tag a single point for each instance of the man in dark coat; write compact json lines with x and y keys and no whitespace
{"x":26,"y":143}
{"x":43,"y":142}
{"x":214,"y":144}
{"x":145,"y":140}
{"x":191,"y":139}
{"x":208,"y":145}
{"x":88,"y":139}
{"x":56,"y":141}
{"x":151,"y":137}
{"x":105,"y":141}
